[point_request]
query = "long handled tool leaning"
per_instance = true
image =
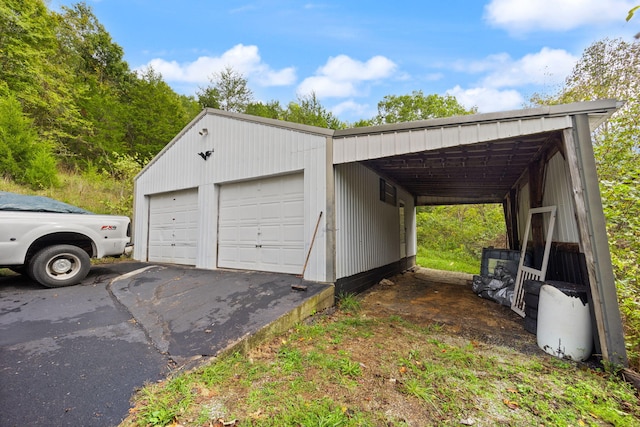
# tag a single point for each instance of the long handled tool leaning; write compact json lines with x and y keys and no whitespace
{"x":306,"y":261}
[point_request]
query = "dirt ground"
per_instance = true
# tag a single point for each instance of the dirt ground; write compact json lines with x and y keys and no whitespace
{"x":426,"y":296}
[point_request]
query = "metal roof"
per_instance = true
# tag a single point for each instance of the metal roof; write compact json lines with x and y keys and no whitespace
{"x":467,"y":159}
{"x":454,"y":160}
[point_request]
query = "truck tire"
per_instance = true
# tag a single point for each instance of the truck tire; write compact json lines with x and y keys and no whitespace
{"x":59,"y":265}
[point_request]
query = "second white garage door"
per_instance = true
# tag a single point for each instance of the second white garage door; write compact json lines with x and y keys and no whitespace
{"x":261,"y":225}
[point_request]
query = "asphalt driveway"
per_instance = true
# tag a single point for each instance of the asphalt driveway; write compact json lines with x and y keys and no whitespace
{"x":74,"y":356}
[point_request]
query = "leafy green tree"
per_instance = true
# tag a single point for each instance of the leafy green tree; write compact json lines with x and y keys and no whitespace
{"x":87,"y":45}
{"x":209,"y":97}
{"x":461,"y":230}
{"x":101,"y":78}
{"x":309,"y":111}
{"x":22,"y":157}
{"x":32,"y":68}
{"x":228,"y":91}
{"x":270,"y":110}
{"x":190,"y":105}
{"x":417,"y":106}
{"x":362,"y":123}
{"x":155,"y":114}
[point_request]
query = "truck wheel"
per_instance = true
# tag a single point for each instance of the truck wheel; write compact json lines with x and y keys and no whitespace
{"x":59,"y":265}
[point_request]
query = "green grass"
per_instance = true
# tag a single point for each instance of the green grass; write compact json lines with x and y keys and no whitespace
{"x":350,"y":369}
{"x":449,"y":261}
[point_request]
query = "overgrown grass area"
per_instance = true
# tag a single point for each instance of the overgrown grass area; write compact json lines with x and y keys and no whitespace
{"x":349,"y":369}
{"x":452,"y":237}
{"x":94,"y":190}
{"x":449,"y":261}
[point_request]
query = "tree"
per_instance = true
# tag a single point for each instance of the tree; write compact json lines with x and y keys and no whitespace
{"x":309,"y":111}
{"x":34,"y":71}
{"x":228,"y":91}
{"x":23,"y":157}
{"x":101,"y":77}
{"x":155,"y":114}
{"x":417,"y":106}
{"x":88,"y":47}
{"x":270,"y":110}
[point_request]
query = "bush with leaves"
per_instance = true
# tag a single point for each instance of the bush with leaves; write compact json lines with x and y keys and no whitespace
{"x":463,"y":230}
{"x":23,"y":156}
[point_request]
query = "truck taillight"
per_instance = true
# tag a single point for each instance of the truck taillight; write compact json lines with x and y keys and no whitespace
{"x":129,"y":230}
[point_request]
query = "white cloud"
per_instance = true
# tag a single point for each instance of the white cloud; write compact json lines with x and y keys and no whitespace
{"x":502,"y":76}
{"x":520,"y":16}
{"x":344,"y":68}
{"x":547,"y":67}
{"x":243,"y":59}
{"x":343,"y":76}
{"x":352,"y":108}
{"x":433,"y":77}
{"x":488,"y":99}
{"x":324,"y":87}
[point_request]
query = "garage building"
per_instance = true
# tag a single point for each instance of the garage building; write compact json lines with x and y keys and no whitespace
{"x":244,"y":192}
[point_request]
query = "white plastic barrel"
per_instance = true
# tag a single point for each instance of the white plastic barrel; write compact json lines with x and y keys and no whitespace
{"x":564,"y":325}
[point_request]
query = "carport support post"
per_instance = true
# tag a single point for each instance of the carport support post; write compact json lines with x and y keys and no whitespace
{"x":593,"y":239}
{"x":330,"y":217}
{"x":510,"y":207}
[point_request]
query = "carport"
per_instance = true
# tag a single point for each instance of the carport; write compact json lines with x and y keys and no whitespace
{"x":523,"y":159}
{"x":246,"y":192}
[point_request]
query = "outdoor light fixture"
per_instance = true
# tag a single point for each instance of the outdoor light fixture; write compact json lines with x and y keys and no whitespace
{"x":204,"y":132}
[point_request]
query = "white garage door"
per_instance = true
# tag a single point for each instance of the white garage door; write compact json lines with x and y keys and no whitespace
{"x":173,"y":227}
{"x":261,"y":225}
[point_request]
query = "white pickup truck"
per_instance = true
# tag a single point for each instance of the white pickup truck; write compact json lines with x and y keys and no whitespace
{"x":53,"y":242}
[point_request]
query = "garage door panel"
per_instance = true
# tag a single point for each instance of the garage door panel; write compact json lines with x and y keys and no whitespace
{"x":173,"y":227}
{"x":291,"y":234}
{"x":293,"y":209}
{"x":284,"y":260}
{"x":282,"y":235}
{"x":246,"y":213}
{"x":267,"y":230}
{"x":271,"y":211}
{"x":237,"y":256}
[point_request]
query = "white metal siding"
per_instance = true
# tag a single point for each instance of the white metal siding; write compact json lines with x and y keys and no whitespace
{"x":242,"y":150}
{"x":261,"y":225}
{"x":375,"y":145}
{"x":246,"y":150}
{"x":367,"y":229}
{"x":557,"y":191}
{"x":173,"y":227}
{"x":523,"y":209}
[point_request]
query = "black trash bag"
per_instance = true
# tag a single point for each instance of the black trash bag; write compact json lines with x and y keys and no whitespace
{"x":497,"y":287}
{"x":504,"y":295}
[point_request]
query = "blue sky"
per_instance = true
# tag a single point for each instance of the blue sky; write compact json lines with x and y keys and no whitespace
{"x":492,"y":54}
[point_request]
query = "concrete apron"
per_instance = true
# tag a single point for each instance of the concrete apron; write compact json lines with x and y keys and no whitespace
{"x":191,"y":314}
